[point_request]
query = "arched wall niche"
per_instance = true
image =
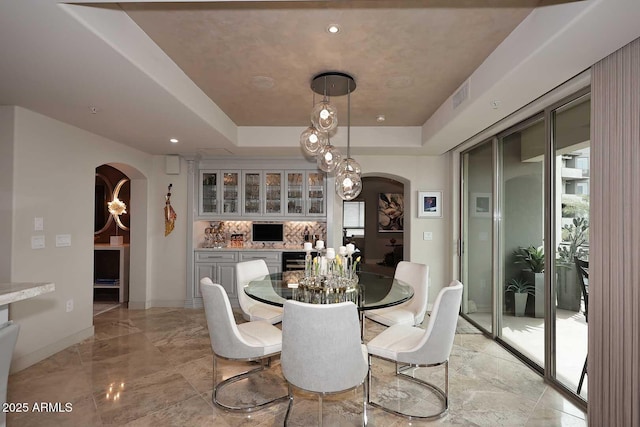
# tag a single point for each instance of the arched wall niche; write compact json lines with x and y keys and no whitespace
{"x":137,"y":233}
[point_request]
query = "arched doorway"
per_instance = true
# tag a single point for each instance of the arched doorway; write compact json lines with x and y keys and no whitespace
{"x":381,"y":235}
{"x":123,"y":262}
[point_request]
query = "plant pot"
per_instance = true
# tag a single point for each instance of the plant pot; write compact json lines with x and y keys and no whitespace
{"x":520,"y":303}
{"x":568,"y":288}
{"x":537,"y":279}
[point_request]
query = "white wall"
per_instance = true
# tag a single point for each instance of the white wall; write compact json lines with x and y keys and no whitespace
{"x":168,"y":262}
{"x":430,"y":173}
{"x":54,"y":173}
{"x":6,"y":184}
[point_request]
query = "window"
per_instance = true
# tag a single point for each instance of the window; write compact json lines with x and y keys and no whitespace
{"x":353,"y":218}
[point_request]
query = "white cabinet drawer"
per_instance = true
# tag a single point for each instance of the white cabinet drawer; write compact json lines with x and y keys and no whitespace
{"x":268,"y":256}
{"x":208,"y":256}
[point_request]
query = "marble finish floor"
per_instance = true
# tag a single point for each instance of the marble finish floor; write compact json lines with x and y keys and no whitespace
{"x":154,"y":368}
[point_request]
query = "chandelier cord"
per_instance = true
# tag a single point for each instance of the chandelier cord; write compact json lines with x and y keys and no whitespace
{"x":348,"y":119}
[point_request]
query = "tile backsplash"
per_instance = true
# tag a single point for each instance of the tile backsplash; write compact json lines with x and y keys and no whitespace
{"x":293,"y":232}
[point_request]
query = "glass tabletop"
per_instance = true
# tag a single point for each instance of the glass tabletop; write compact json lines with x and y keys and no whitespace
{"x":374,"y":290}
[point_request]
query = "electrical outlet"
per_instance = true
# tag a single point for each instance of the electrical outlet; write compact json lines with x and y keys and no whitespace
{"x":427,"y":235}
{"x":69,"y":305}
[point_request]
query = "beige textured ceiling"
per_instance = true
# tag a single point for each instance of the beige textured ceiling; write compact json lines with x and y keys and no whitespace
{"x":407,"y":57}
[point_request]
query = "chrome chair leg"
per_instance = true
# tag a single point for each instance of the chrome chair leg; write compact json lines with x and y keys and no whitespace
{"x":289,"y":406}
{"x":443,"y":395}
{"x":217,"y":387}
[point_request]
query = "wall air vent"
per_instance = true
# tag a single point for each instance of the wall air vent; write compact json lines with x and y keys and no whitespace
{"x":461,"y":95}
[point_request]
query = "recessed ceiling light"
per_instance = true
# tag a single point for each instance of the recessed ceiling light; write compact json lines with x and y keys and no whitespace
{"x":262,"y":82}
{"x":380,"y":118}
{"x":173,"y":140}
{"x":333,"y":29}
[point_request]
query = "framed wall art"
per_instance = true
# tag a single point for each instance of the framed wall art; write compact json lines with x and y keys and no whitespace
{"x":429,"y":204}
{"x":390,"y":212}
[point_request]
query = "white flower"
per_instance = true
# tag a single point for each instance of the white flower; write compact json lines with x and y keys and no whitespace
{"x":117,"y":207}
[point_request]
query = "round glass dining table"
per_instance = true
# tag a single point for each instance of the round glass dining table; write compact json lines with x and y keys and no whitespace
{"x":373,"y":290}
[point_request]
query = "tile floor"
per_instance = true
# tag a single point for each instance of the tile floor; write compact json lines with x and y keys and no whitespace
{"x":154,"y":368}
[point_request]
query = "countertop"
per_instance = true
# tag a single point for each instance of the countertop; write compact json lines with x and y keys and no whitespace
{"x":276,"y":248}
{"x":12,"y":292}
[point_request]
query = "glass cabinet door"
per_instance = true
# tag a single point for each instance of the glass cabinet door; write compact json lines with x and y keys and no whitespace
{"x":273,"y":187}
{"x":231,"y":192}
{"x":252,"y":190}
{"x":209,"y":192}
{"x":315,"y":193}
{"x":295,"y":193}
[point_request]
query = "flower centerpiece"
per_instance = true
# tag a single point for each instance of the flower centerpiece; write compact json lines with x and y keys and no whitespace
{"x":329,"y":276}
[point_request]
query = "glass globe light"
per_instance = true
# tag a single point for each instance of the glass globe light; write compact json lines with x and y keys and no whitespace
{"x":348,"y":184}
{"x":324,"y":116}
{"x":328,"y":157}
{"x":311,"y":140}
{"x":348,"y":165}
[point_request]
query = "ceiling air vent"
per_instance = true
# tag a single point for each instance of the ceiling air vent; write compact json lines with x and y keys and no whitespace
{"x":461,"y":95}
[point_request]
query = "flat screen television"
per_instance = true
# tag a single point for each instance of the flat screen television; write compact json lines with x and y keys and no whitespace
{"x":267,"y":232}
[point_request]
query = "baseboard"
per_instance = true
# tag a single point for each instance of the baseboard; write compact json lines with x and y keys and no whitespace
{"x":167,"y":303}
{"x":138,"y":305}
{"x":145,"y":305}
{"x":23,"y":362}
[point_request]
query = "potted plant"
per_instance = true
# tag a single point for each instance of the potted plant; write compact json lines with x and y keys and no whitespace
{"x":575,"y":237}
{"x":521,"y":290}
{"x":532,"y":258}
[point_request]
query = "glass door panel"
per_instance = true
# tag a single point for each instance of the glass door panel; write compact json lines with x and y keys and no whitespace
{"x":477,"y":259}
{"x":252,"y":190}
{"x":571,"y":136}
{"x":208,"y":192}
{"x":315,"y":193}
{"x":231,"y":192}
{"x":273,"y":193}
{"x":521,"y":254}
{"x":295,"y":191}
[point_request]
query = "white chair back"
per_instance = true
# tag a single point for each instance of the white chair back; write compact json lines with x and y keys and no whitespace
{"x":437,"y":341}
{"x":417,"y":275}
{"x":226,"y":340}
{"x":8,"y":337}
{"x":321,"y":347}
{"x":247,"y":271}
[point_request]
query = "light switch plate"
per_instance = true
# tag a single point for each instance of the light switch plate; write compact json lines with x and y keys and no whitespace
{"x":63,"y":240}
{"x":427,"y":235}
{"x":38,"y":224}
{"x":37,"y":242}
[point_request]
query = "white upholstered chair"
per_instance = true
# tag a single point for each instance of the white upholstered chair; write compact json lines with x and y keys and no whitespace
{"x":253,"y":310}
{"x":413,"y":311}
{"x":414,"y":347}
{"x":247,"y":342}
{"x":8,"y":337}
{"x":321,"y":350}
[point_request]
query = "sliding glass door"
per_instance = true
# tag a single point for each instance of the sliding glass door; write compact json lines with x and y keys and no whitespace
{"x":478,"y":235}
{"x":571,"y":142}
{"x":521,"y":252}
{"x":524,"y":223}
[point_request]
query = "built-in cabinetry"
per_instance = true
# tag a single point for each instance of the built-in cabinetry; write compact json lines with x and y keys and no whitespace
{"x":220,"y":267}
{"x":111,"y":270}
{"x":229,"y":194}
{"x":305,"y":193}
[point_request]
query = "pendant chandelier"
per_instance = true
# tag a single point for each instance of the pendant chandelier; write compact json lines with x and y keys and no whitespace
{"x":315,"y":140}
